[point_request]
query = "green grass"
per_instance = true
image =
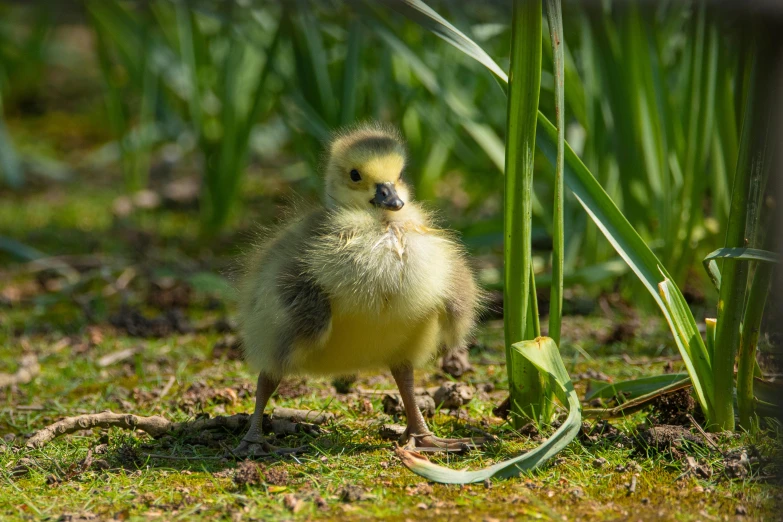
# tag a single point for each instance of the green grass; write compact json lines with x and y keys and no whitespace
{"x":351,"y":453}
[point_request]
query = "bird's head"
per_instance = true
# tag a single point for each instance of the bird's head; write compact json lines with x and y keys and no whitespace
{"x":364,"y":168}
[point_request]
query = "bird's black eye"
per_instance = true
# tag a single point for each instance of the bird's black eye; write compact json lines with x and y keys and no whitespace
{"x":355,"y":176}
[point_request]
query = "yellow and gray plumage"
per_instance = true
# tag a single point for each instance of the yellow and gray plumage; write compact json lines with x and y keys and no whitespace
{"x":366,"y":281}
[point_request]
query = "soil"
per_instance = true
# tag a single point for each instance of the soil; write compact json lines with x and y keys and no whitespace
{"x":669,"y":437}
{"x":673,"y":408}
{"x":136,"y":324}
{"x":247,"y":473}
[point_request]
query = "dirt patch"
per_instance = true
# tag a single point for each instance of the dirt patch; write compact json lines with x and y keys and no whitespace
{"x":621,"y":333}
{"x":136,"y":324}
{"x":167,"y":292}
{"x":673,"y":408}
{"x":277,"y":477}
{"x":199,"y":395}
{"x":129,"y":457}
{"x":353,"y":493}
{"x":593,"y":433}
{"x":247,"y":473}
{"x":670,"y":438}
{"x":737,"y":464}
{"x":291,"y":389}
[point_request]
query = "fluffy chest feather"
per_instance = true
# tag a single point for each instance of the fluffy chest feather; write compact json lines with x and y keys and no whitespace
{"x":374,"y":268}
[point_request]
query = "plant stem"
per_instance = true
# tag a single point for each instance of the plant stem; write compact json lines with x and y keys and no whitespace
{"x":525,"y":386}
{"x":757,"y":298}
{"x":734,"y":278}
{"x":555,"y":19}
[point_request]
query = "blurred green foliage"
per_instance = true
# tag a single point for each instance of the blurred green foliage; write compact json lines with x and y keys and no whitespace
{"x":651,"y":105}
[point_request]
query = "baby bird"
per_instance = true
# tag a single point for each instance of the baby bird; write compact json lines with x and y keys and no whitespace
{"x":364,"y":282}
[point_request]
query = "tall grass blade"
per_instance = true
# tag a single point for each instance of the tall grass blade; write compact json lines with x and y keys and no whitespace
{"x":751,"y":325}
{"x":351,"y":73}
{"x":525,"y":386}
{"x":692,"y":348}
{"x":10,"y":166}
{"x":544,"y":355}
{"x":734,"y":276}
{"x":555,"y":18}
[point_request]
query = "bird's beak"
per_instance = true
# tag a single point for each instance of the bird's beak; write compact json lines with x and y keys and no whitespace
{"x":386,"y":197}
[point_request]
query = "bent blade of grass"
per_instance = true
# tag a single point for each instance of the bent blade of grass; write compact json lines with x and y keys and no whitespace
{"x":742,"y":253}
{"x":419,"y":12}
{"x":635,"y":387}
{"x":623,"y":238}
{"x":637,"y":403}
{"x":545,"y":356}
{"x":768,"y":391}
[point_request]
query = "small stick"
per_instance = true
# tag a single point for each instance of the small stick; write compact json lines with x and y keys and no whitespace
{"x":704,"y":434}
{"x":119,"y":356}
{"x":30,"y":407}
{"x":167,"y":388}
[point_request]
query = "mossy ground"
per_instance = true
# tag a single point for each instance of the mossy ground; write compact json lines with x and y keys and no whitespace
{"x":67,"y":326}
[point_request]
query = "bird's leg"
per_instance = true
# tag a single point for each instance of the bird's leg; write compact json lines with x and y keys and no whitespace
{"x":417,"y":436}
{"x":254,"y":443}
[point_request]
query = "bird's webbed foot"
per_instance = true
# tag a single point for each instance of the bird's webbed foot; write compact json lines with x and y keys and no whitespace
{"x":262,"y":448}
{"x":429,"y":443}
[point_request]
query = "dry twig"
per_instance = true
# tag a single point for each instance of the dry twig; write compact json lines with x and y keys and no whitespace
{"x":282,"y":421}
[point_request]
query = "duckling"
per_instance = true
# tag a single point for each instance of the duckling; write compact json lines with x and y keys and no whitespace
{"x":365,"y":281}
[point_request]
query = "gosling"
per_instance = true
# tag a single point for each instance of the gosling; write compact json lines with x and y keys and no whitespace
{"x":364,"y":282}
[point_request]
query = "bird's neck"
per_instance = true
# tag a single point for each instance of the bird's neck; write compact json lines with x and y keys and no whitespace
{"x":409,"y":216}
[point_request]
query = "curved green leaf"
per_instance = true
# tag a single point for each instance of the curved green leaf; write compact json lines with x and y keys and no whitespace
{"x":743,"y":254}
{"x":419,"y":12}
{"x":636,"y":387}
{"x":544,"y":355}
